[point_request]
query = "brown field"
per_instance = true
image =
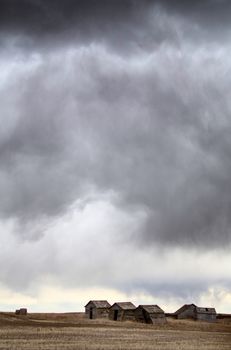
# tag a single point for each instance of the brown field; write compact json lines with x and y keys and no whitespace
{"x":73,"y":331}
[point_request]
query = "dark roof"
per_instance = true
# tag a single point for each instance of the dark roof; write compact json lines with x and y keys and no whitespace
{"x":127,"y":305}
{"x":205,"y":310}
{"x":183,"y":308}
{"x":152,"y":309}
{"x":99,"y":303}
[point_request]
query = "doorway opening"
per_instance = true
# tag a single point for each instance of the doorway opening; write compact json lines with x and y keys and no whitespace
{"x":115,"y":315}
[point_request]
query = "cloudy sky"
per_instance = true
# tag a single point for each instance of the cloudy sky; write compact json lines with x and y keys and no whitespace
{"x":115,"y":153}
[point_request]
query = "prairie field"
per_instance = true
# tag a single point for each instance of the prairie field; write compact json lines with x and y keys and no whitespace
{"x":72,"y":331}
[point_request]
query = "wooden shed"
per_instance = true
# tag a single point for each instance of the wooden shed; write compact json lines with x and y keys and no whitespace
{"x":196,"y":312}
{"x":122,"y":311}
{"x":22,"y":311}
{"x":97,"y":309}
{"x":206,"y":314}
{"x":152,"y":314}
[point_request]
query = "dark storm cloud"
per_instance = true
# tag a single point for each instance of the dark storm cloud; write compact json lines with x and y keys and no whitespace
{"x":152,"y":126}
{"x":125,"y":24}
{"x":79,"y":21}
{"x":44,"y":17}
{"x":40,"y":16}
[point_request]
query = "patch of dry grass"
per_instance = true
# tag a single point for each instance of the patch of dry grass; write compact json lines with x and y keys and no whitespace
{"x":73,"y":331}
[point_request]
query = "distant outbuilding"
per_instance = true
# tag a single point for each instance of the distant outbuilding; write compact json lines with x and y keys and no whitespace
{"x":122,"y":311}
{"x":152,"y":314}
{"x":22,"y":311}
{"x":196,"y":312}
{"x":97,"y":309}
{"x":206,"y":314}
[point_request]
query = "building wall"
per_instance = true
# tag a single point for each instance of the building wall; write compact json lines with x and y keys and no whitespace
{"x":102,"y":313}
{"x":206,"y":317}
{"x":128,"y":315}
{"x":188,"y":313}
{"x":140,"y":316}
{"x":92,"y":312}
{"x":158,"y":318}
{"x":152,"y":318}
{"x":117,"y":314}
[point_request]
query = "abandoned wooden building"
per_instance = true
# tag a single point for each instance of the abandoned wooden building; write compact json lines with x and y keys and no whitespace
{"x":196,"y":313}
{"x":206,"y":314}
{"x":22,"y":311}
{"x":97,"y":309}
{"x":122,"y":311}
{"x":152,"y":314}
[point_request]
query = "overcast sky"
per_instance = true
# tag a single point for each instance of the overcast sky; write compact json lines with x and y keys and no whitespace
{"x":115,"y":153}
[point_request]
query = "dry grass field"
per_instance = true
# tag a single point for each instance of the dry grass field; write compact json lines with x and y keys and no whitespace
{"x":73,"y":331}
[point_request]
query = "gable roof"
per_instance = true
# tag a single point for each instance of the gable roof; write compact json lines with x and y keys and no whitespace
{"x":198,"y":309}
{"x":152,"y":309}
{"x":183,"y":308}
{"x":127,"y":305}
{"x":99,"y":303}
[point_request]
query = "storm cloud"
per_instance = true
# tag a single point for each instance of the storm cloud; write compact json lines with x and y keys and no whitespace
{"x":152,"y":124}
{"x":115,"y":132}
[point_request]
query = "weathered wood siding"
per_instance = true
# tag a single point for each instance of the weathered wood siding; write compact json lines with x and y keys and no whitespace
{"x":187,"y":313}
{"x":143,"y":316}
{"x":140,"y":315}
{"x":157,"y":319}
{"x":102,"y":313}
{"x":92,"y":312}
{"x":206,"y":317}
{"x":128,"y":315}
{"x":117,"y":314}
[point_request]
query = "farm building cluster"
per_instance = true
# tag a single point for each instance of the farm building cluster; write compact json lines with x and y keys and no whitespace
{"x":152,"y":314}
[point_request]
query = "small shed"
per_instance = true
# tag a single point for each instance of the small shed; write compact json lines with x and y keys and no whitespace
{"x":97,"y":309}
{"x":122,"y":311}
{"x":206,"y":314}
{"x":152,"y":314}
{"x":22,"y":311}
{"x":196,"y":312}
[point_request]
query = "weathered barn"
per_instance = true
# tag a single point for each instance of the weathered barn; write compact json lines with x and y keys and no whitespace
{"x":196,"y":313}
{"x":122,"y":311}
{"x":97,"y":309}
{"x":150,"y":314}
{"x":22,"y":311}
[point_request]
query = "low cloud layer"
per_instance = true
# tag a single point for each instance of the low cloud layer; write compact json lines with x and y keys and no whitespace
{"x":59,"y":262}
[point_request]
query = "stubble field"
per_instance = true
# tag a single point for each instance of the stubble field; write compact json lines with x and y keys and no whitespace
{"x":73,"y":331}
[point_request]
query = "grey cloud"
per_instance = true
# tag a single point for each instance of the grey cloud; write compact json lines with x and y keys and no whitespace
{"x":153,"y":127}
{"x":48,"y":23}
{"x":127,"y":26}
{"x":49,"y":16}
{"x":188,"y":291}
